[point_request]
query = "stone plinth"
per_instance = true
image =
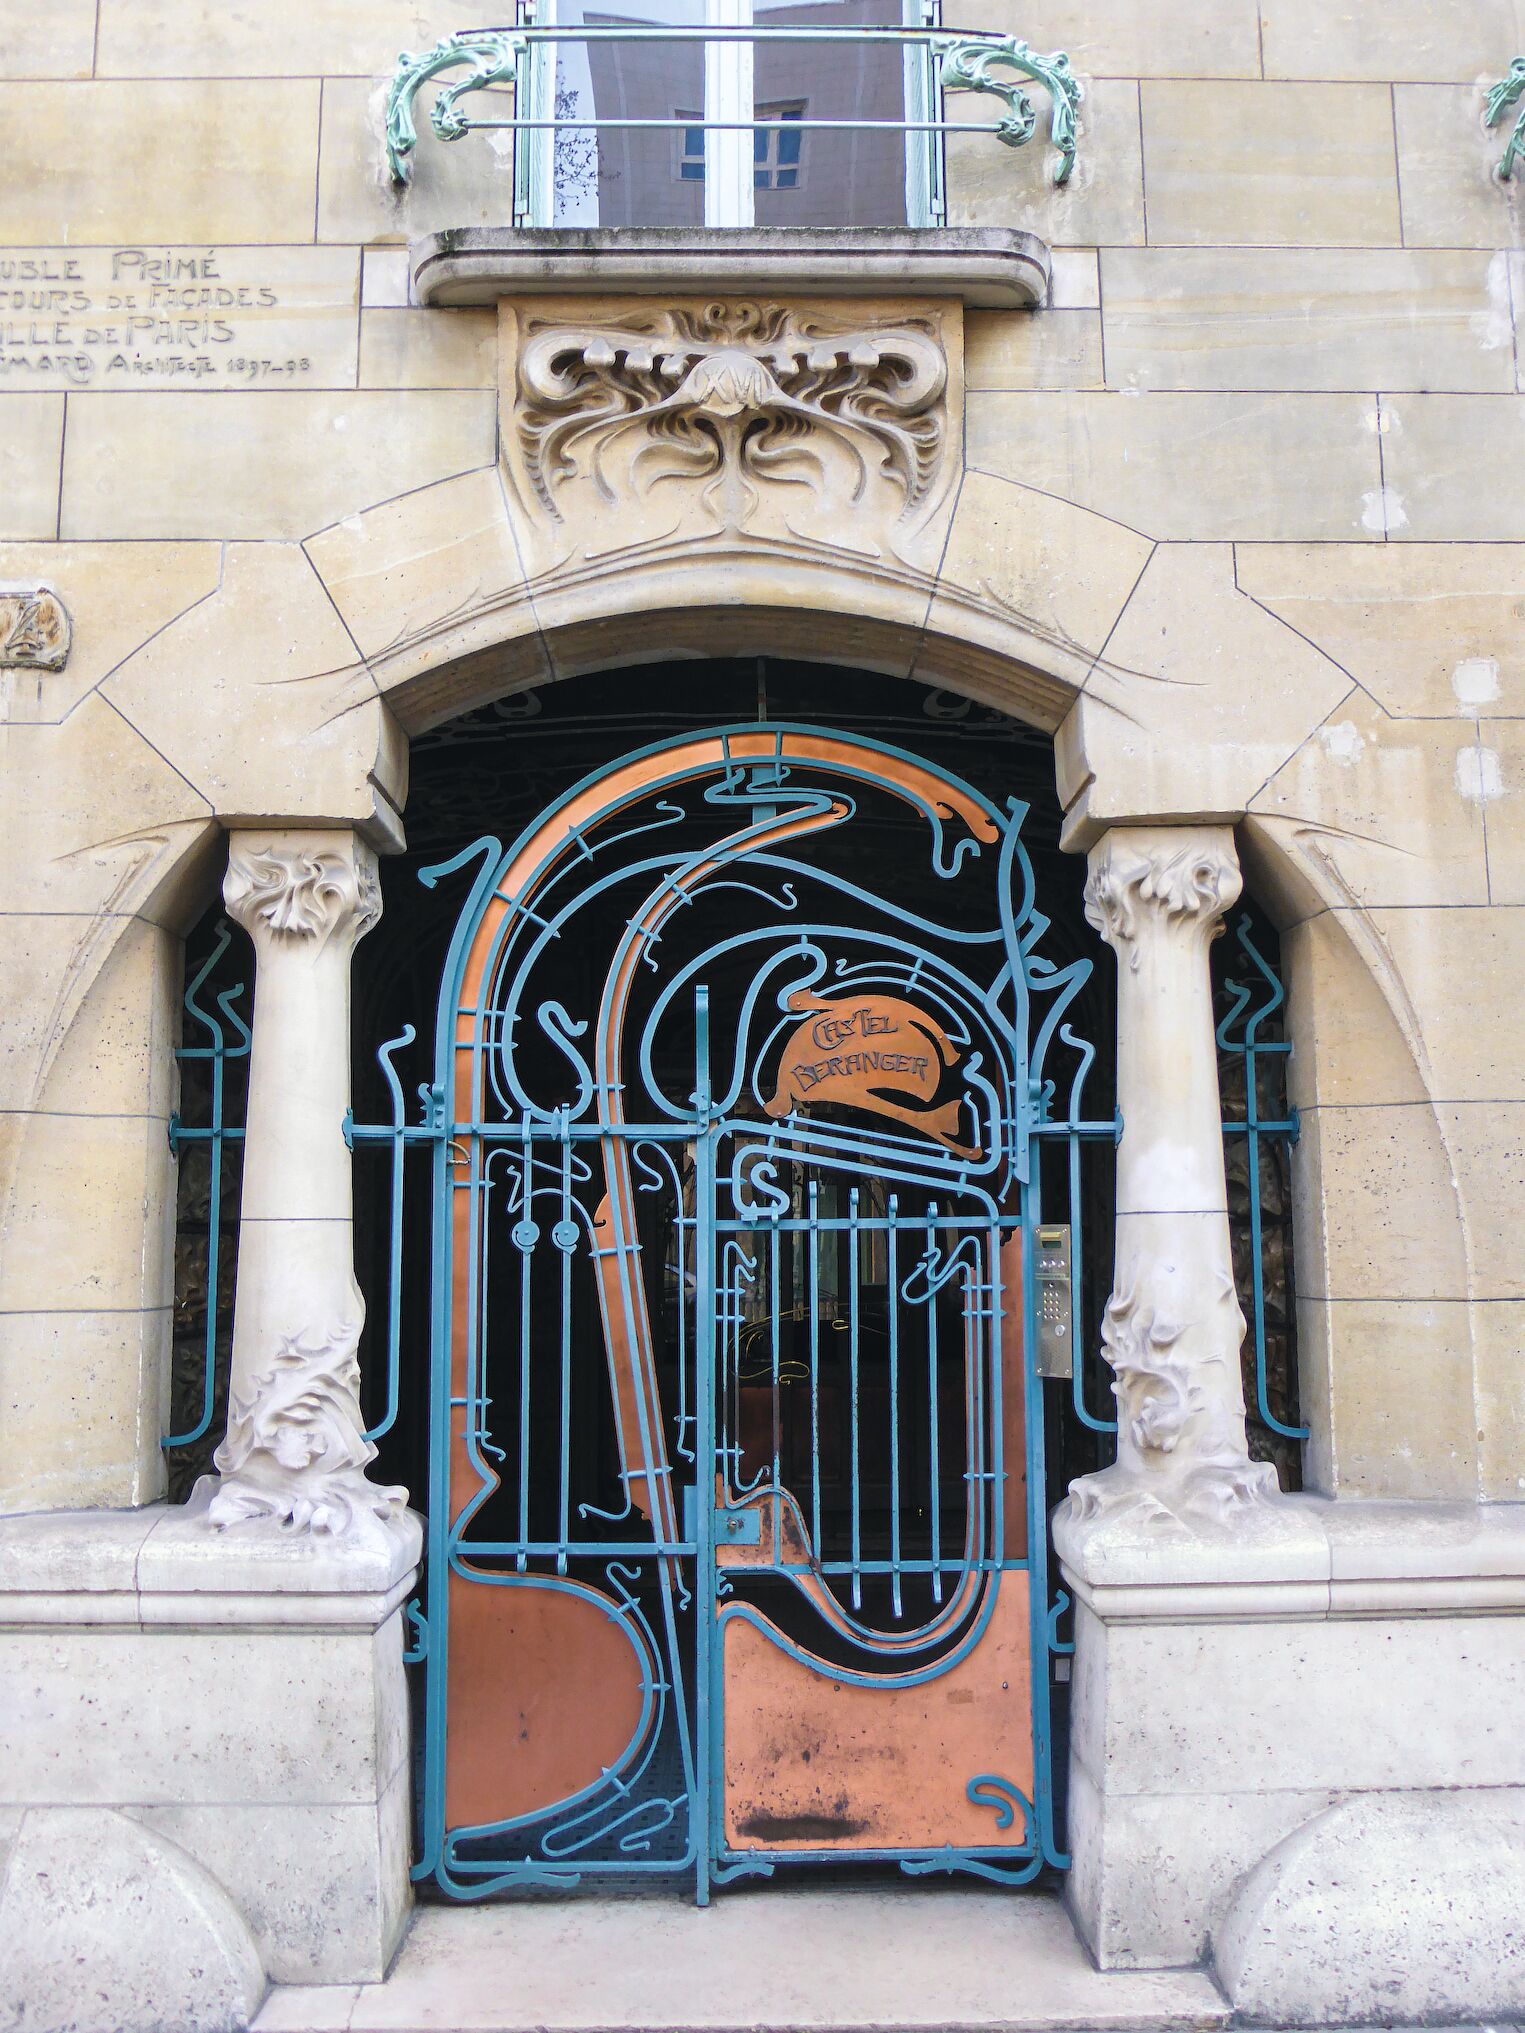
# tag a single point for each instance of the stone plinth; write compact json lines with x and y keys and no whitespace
{"x":239,"y":1696}
{"x":1247,"y":1700}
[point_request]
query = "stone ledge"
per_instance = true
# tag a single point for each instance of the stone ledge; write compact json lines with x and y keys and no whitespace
{"x":1303,"y":1557}
{"x":165,"y":1567}
{"x":985,"y":267}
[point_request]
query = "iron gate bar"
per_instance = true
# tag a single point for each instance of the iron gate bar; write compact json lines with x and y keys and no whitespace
{"x":1250,"y":1049}
{"x":215,"y":1135}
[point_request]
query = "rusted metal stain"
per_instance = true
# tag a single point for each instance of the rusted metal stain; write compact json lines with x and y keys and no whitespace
{"x":874,"y":1052}
{"x":882,"y":1767}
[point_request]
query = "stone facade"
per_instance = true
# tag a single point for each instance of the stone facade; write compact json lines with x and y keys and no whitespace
{"x":1236,"y":518}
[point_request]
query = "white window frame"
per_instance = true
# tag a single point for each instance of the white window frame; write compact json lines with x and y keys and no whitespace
{"x":729,"y":95}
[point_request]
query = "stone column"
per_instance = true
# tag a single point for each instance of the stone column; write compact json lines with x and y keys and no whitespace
{"x":1173,"y":1327}
{"x":295,"y":1449}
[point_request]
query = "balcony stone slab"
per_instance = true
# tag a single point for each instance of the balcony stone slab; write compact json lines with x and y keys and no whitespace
{"x":984,"y":267}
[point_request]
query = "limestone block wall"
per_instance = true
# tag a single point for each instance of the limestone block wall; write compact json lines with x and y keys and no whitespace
{"x":1240,"y":519}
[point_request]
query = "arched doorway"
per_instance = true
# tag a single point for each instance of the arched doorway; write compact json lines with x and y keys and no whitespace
{"x":502,"y":768}
{"x":737,"y":1476}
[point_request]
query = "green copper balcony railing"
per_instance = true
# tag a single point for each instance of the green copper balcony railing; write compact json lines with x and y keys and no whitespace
{"x":957,"y":60}
{"x":1507,"y":93}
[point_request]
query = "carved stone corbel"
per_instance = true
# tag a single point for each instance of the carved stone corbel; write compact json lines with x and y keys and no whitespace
{"x":295,"y":1449}
{"x":1173,"y":1327}
{"x":741,"y":423}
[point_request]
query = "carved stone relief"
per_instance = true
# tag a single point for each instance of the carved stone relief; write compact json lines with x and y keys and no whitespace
{"x":729,"y":422}
{"x":1173,"y":1328}
{"x":1197,"y":883}
{"x":35,"y":630}
{"x":295,"y":1450}
{"x":284,"y":893}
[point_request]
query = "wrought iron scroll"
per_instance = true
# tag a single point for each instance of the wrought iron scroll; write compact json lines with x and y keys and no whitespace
{"x":1252,"y":1058}
{"x":969,"y":65}
{"x":1502,"y":97}
{"x":227,"y":1040}
{"x":967,"y":61}
{"x":493,"y":59}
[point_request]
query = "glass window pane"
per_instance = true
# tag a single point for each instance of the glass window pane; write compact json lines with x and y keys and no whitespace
{"x":624,"y":176}
{"x":833,"y":178}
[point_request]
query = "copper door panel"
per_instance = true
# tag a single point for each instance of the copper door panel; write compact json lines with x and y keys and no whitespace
{"x":545,"y":1695}
{"x":815,"y":1762}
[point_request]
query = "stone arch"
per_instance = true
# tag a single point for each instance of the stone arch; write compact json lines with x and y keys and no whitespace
{"x":288,"y":694}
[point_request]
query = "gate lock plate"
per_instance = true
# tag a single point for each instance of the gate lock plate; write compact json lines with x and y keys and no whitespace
{"x":1051,"y":1256}
{"x":731,"y":1528}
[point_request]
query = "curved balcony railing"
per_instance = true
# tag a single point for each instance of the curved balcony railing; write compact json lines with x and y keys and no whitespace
{"x":518,"y":69}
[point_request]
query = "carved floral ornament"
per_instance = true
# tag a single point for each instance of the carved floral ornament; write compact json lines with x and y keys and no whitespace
{"x":1173,"y":1344}
{"x":287,"y":894}
{"x":749,"y":415}
{"x":1194,"y":886}
{"x":295,"y":1450}
{"x":35,"y":630}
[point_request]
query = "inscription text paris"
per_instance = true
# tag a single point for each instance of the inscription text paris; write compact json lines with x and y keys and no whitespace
{"x":188,"y":317}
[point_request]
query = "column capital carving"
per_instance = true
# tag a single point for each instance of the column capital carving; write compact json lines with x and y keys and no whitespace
{"x":301,"y":889}
{"x":1167,"y":877}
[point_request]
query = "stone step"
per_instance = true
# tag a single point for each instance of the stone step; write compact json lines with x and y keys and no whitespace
{"x":943,"y":1960}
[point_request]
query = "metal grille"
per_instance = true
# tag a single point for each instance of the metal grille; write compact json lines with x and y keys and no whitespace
{"x":824,"y":1312}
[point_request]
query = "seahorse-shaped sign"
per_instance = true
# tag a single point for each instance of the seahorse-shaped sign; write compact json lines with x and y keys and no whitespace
{"x":877,"y":1053}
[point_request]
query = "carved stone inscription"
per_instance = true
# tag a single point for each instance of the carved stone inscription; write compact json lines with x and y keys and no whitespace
{"x":178,"y":317}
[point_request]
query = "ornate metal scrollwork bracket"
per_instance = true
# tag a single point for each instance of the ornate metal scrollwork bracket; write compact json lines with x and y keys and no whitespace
{"x":968,"y":66}
{"x":494,"y":60}
{"x":1508,"y":92}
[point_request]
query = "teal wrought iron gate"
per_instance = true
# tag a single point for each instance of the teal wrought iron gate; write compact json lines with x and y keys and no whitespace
{"x":755,"y":1136}
{"x":736,"y":1509}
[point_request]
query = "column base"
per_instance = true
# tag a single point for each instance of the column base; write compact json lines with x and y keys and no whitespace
{"x":237,"y":1696}
{"x":1195,"y":1494}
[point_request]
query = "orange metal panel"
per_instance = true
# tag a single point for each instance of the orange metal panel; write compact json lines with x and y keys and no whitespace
{"x":816,"y":1762}
{"x":545,"y":1695}
{"x":874,"y":1052}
